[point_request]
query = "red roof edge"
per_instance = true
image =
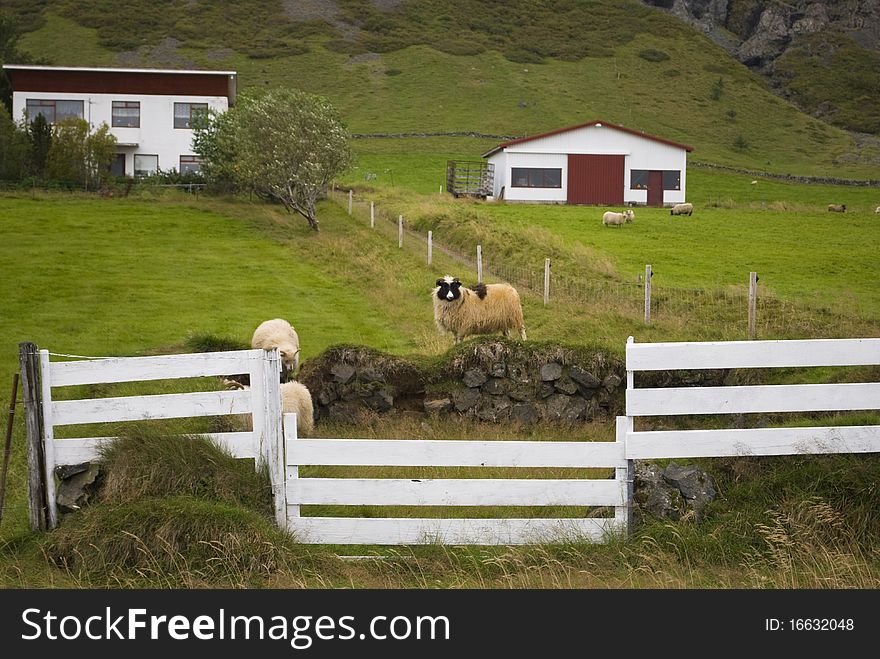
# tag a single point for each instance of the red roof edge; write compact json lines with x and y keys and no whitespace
{"x":638,"y":133}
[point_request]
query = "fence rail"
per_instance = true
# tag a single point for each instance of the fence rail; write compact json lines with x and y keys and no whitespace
{"x":262,"y":402}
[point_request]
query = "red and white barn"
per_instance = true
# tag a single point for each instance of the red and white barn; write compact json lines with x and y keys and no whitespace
{"x":593,"y":163}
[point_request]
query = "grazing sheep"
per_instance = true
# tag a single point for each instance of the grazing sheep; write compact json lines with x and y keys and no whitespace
{"x":877,"y":210}
{"x":612,"y":219}
{"x":278,"y":333}
{"x":682,"y":209}
{"x":753,"y":183}
{"x":295,"y":397}
{"x":836,"y":208}
{"x":481,"y":309}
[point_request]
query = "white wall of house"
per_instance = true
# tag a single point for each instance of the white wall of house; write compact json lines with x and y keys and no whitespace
{"x":553,"y":150}
{"x":156,"y":134}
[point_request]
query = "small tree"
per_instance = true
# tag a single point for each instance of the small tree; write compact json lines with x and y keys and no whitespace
{"x":79,"y":156}
{"x":285,"y":145}
{"x":14,"y":148}
{"x":40,"y":135}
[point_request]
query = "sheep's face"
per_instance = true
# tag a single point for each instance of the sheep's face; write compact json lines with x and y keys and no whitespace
{"x":448,"y":289}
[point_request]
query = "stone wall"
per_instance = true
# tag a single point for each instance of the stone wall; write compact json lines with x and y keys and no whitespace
{"x":490,"y":380}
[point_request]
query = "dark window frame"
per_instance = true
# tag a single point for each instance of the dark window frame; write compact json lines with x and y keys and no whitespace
{"x":537,"y":177}
{"x":642,"y":174}
{"x":53,"y":103}
{"x":127,"y":105}
{"x":192,"y":160}
{"x":188,"y":118}
{"x":149,"y":155}
{"x":677,"y":173}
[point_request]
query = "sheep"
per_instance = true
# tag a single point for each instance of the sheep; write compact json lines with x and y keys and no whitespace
{"x":295,"y":397}
{"x":682,"y":209}
{"x":753,"y":183}
{"x":877,"y":210}
{"x":482,"y":309}
{"x":278,"y":333}
{"x":836,"y":208}
{"x":611,"y":219}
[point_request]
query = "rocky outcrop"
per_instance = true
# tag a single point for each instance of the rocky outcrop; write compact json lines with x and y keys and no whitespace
{"x":671,"y":492}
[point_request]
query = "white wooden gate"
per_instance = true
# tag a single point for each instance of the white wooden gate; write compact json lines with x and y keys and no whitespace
{"x":604,"y":492}
{"x":262,"y":401}
{"x":723,"y":441}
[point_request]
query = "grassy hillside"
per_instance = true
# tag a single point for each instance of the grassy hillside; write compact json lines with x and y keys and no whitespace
{"x":626,"y":63}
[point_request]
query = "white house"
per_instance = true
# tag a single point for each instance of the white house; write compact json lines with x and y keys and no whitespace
{"x":592,"y":163}
{"x":150,"y":111}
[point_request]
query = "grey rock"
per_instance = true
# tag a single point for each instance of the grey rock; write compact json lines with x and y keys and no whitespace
{"x":653,"y":495}
{"x":438,"y":404}
{"x":551,"y":371}
{"x":66,"y":471}
{"x":494,"y":387}
{"x":555,"y":407}
{"x":465,"y":399}
{"x":525,"y":413}
{"x":493,"y":408}
{"x":78,"y":490}
{"x":574,"y":410}
{"x":566,"y":385}
{"x":474,"y":377}
{"x":381,"y":400}
{"x":498,"y":369}
{"x":611,"y":382}
{"x":694,"y":484}
{"x":518,"y":373}
{"x":342,"y":372}
{"x":327,"y":394}
{"x":370,"y":374}
{"x":584,"y":378}
{"x":521,"y":392}
{"x":546,"y":389}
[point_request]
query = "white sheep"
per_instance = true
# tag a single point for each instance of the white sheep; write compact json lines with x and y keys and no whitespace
{"x":877,"y":210}
{"x":482,"y":309}
{"x":836,"y":208}
{"x":611,"y":218}
{"x":682,"y":209}
{"x":295,"y":397}
{"x":278,"y":333}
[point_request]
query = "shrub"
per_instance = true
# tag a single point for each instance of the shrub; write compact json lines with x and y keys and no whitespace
{"x":522,"y":56}
{"x":652,"y":55}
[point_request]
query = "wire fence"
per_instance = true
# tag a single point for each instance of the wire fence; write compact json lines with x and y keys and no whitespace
{"x":774,"y":317}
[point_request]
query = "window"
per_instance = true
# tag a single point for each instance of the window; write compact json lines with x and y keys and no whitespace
{"x":638,"y":179}
{"x":190,"y":164}
{"x":144,"y":165}
{"x":672,"y":180}
{"x":117,"y":165}
{"x":535,"y":177}
{"x":186,"y":113}
{"x":126,"y":114}
{"x":53,"y":110}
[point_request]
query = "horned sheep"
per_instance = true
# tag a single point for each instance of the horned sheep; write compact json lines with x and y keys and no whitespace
{"x":612,"y":219}
{"x":836,"y":208}
{"x":295,"y":397}
{"x":482,"y":309}
{"x":278,"y":333}
{"x":682,"y":209}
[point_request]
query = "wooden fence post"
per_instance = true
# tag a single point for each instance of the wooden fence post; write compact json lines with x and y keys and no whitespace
{"x":29,"y":363}
{"x":753,"y":299}
{"x":546,"y":281}
{"x":350,"y":200}
{"x":372,"y":215}
{"x":7,"y":444}
{"x":648,"y":275}
{"x":479,"y":264}
{"x":400,"y":231}
{"x":430,"y":246}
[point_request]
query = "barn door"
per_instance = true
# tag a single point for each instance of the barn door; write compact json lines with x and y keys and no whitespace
{"x":655,"y":188}
{"x":594,"y":179}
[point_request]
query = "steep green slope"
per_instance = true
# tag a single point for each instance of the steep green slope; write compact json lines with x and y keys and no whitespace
{"x":523,"y":69}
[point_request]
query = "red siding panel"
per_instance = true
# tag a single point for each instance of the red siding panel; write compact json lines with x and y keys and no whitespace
{"x":594,"y":179}
{"x":119,"y":82}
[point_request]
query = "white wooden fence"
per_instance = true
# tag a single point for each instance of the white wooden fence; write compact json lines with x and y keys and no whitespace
{"x":285,"y":453}
{"x":723,"y":441}
{"x":451,"y":491}
{"x":262,"y":401}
